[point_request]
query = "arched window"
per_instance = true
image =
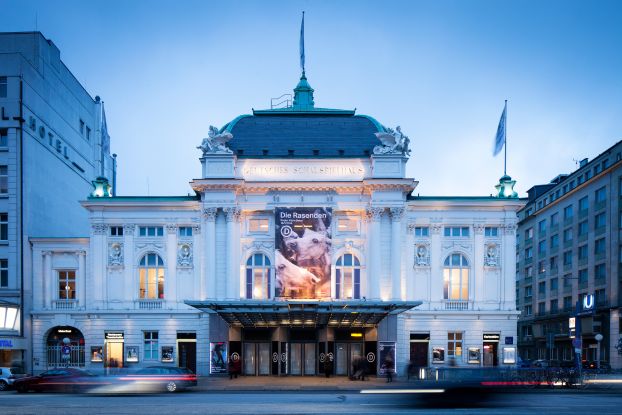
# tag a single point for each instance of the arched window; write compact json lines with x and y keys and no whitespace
{"x":151,"y":275}
{"x":258,"y":277}
{"x":456,"y":277}
{"x":348,"y":277}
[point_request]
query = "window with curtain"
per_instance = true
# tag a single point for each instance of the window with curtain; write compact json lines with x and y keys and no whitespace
{"x":151,"y":276}
{"x":456,"y":277}
{"x":348,"y":277}
{"x":258,"y":277}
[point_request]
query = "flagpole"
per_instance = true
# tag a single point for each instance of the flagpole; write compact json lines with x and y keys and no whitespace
{"x":505,"y":140}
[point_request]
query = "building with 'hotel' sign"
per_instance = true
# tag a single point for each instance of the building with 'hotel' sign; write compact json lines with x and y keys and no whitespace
{"x":302,"y":251}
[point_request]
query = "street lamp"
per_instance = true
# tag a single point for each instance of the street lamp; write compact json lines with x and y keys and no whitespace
{"x":599,"y":338}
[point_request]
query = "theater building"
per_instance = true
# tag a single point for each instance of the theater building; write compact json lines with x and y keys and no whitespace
{"x":302,"y":251}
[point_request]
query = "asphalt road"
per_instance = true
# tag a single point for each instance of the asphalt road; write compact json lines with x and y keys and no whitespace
{"x":196,"y":402}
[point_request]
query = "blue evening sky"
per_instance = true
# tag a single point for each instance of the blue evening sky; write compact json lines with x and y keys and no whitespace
{"x":439,"y":69}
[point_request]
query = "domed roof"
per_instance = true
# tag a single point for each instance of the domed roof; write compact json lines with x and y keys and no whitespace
{"x":303,"y":131}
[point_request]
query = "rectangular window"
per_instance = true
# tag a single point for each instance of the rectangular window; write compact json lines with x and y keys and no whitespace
{"x":583,"y":204}
{"x":528,"y":291}
{"x":553,"y":264}
{"x":151,"y":231}
{"x":600,"y":272}
{"x":4,"y":137}
{"x":568,"y":303}
{"x":554,"y":284}
{"x":422,"y":231}
{"x":4,"y":273}
{"x":542,"y":226}
{"x":554,"y":305}
{"x":582,"y":252}
{"x":3,"y":86}
{"x":151,"y":345}
{"x":541,"y":267}
{"x":554,"y":241}
{"x":567,"y":280}
{"x":454,"y":344}
{"x":348,"y":225}
{"x":491,"y":231}
{"x":541,"y":307}
{"x":258,"y":225}
{"x":582,"y":228}
{"x":568,"y":235}
{"x":541,"y":288}
{"x":542,"y":247}
{"x":457,"y":231}
{"x":529,"y":233}
{"x":600,"y":220}
{"x":4,"y":227}
{"x":568,"y":213}
{"x":185,"y":231}
{"x":568,"y":258}
{"x":116,"y":231}
{"x":583,"y":276}
{"x":81,"y":127}
{"x":600,"y":195}
{"x":528,"y":253}
{"x":599,"y":246}
{"x":67,"y":285}
{"x":554,"y":219}
{"x":529,"y":272}
{"x":528,"y":310}
{"x":88,"y":133}
{"x":4,"y":180}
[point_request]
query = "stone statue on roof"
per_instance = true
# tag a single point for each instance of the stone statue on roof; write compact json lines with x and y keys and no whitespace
{"x":393,"y":142}
{"x":215,"y":143}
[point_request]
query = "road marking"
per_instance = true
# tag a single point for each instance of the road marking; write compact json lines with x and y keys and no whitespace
{"x":400,"y":391}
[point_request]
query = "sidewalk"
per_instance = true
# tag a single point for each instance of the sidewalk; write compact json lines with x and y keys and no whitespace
{"x":295,"y":383}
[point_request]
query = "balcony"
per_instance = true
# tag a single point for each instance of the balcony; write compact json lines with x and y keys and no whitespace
{"x":148,"y":304}
{"x":456,"y":305}
{"x":65,"y":304}
{"x":599,"y":205}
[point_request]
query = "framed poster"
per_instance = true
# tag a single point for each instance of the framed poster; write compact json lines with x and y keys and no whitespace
{"x":218,"y":356}
{"x":131,"y":354}
{"x":475,"y":354}
{"x":386,"y":357}
{"x":97,"y":354}
{"x":167,"y":354}
{"x":438,"y":355}
{"x":303,"y":252}
{"x":509,"y":355}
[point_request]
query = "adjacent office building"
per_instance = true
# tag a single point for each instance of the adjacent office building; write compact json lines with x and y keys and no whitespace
{"x":303,"y":250}
{"x":569,"y":252}
{"x":52,"y":145}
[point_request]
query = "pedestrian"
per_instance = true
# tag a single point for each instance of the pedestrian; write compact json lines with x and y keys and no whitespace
{"x":328,"y":367}
{"x":388,"y":368}
{"x":364,"y":368}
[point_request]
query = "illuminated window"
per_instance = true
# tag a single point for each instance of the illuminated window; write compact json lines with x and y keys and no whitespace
{"x":258,"y":277}
{"x":151,"y":277}
{"x":454,"y":344}
{"x":456,"y":278}
{"x":348,"y":225}
{"x":258,"y":225}
{"x":150,"y":339}
{"x":66,"y":285}
{"x":348,"y":277}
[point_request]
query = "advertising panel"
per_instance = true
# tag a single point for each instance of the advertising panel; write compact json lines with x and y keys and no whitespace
{"x":386,"y":357}
{"x":218,"y":354}
{"x":303,"y":252}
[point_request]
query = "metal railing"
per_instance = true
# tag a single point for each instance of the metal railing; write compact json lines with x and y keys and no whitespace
{"x":56,"y":357}
{"x":65,"y":304}
{"x":456,"y":305}
{"x":148,"y":304}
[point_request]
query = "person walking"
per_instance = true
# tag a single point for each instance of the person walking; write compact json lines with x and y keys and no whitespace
{"x":388,"y":368}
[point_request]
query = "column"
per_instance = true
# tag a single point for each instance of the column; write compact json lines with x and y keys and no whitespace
{"x":209,"y":264}
{"x":47,"y":279}
{"x":198,"y":265}
{"x":436,"y":283}
{"x":478,"y":285}
{"x":170,"y":281}
{"x":233,"y":274}
{"x":507,"y":262}
{"x":130,"y":284}
{"x":396,"y":252}
{"x":409,"y":273}
{"x":98,"y":247}
{"x":81,"y":279}
{"x":375,"y":214}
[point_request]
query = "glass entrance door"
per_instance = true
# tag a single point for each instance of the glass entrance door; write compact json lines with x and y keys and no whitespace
{"x":256,"y":359}
{"x":345,"y":355}
{"x":302,"y":359}
{"x":310,"y":357}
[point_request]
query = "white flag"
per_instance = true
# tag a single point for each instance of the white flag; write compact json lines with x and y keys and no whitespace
{"x":500,"y":137}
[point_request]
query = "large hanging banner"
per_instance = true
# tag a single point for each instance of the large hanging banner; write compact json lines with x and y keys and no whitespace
{"x":303,"y":252}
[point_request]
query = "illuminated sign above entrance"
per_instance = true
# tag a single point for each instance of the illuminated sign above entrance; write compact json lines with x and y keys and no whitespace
{"x":114,"y":336}
{"x":491,"y":337}
{"x":310,"y":170}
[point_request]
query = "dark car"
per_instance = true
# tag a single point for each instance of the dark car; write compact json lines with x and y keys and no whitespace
{"x":58,"y":380}
{"x":605,"y":367}
{"x":152,"y":379}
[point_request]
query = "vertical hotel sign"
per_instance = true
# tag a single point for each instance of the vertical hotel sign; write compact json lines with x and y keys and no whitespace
{"x":303,"y":252}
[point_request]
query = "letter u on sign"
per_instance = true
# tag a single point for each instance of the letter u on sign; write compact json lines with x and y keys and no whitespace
{"x":588,"y":302}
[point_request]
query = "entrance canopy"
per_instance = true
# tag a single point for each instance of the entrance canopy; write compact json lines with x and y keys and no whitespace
{"x":303,"y":313}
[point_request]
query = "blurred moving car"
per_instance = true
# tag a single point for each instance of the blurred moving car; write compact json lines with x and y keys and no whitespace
{"x":58,"y":380}
{"x":8,"y":376}
{"x":605,"y":367}
{"x":150,"y":379}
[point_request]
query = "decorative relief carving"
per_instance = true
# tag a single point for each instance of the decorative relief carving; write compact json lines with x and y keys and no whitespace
{"x":150,"y":246}
{"x":171,"y":229}
{"x":258,"y":245}
{"x":184,"y":254}
{"x":457,"y":245}
{"x":397,"y":213}
{"x":478,"y":228}
{"x":411,"y":227}
{"x":99,"y":228}
{"x":491,"y":258}
{"x":233,"y":214}
{"x":215,"y":143}
{"x":509,"y":229}
{"x":196,"y":230}
{"x":393,"y":142}
{"x":115,"y":254}
{"x":210,"y":214}
{"x":129,"y":229}
{"x":436,"y":229}
{"x":422,"y":255}
{"x":375,"y":213}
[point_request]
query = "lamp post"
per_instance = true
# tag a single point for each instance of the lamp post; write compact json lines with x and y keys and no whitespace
{"x":599,"y":338}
